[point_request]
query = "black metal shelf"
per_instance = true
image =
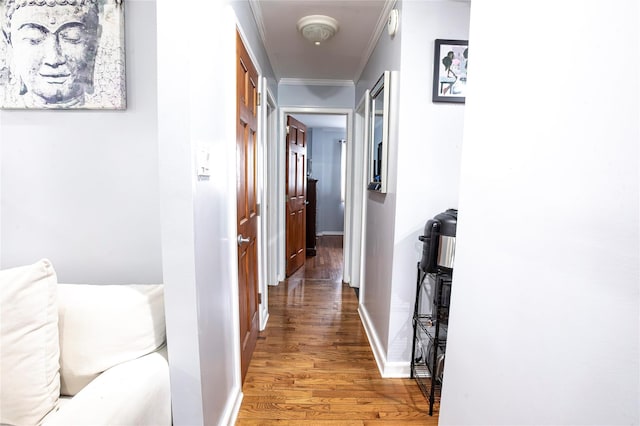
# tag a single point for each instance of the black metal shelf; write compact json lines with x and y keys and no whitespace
{"x":430,"y":331}
{"x":422,"y":374}
{"x":428,"y":325}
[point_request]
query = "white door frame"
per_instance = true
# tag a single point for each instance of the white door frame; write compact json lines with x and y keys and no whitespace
{"x":352,"y":203}
{"x":360,"y":168}
{"x":268,"y":125}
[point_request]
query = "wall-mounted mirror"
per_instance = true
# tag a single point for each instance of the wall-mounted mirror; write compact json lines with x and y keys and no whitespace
{"x":379,"y":133}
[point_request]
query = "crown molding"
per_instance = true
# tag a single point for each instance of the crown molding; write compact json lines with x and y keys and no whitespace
{"x":257,"y":14}
{"x":256,"y":10}
{"x":381,"y":26}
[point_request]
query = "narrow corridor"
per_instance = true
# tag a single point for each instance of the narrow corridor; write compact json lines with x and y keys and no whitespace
{"x":313,"y":363}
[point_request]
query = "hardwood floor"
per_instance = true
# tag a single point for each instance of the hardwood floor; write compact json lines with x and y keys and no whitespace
{"x":313,"y":363}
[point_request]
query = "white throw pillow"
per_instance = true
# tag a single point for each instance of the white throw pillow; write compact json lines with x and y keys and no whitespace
{"x":29,"y":351}
{"x":104,"y":325}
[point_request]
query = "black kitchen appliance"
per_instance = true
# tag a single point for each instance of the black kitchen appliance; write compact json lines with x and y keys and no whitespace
{"x":439,"y":242}
{"x":433,"y":286}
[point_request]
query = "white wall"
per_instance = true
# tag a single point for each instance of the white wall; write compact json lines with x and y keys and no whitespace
{"x":198,"y":214}
{"x":326,"y":153}
{"x":424,"y":162}
{"x":303,"y":94}
{"x":379,"y":228}
{"x":428,"y":154}
{"x":81,"y":187}
{"x":545,"y":306}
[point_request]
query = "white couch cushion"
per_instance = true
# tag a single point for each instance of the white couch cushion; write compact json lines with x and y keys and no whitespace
{"x":104,"y":325}
{"x":29,"y":351}
{"x":135,"y":392}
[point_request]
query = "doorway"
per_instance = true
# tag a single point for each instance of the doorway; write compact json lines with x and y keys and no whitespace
{"x":247,"y":214}
{"x":296,"y":194}
{"x":325,"y":174}
{"x":345,"y":195}
{"x":269,"y":200}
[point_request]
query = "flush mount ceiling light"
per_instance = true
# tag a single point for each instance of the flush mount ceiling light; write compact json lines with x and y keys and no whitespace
{"x":317,"y":28}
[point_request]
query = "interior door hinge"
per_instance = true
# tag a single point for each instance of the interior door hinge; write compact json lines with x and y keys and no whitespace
{"x":258,"y":209}
{"x":259,"y":298}
{"x":287,"y":129}
{"x":259,"y":99}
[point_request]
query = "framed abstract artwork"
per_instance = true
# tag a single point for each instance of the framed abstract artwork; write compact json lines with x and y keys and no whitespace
{"x":450,"y":70}
{"x":62,"y":54}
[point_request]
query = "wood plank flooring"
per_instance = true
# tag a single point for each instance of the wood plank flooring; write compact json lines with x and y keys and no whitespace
{"x":313,"y":363}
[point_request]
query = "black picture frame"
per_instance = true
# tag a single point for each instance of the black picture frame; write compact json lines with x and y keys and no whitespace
{"x":450,"y":61}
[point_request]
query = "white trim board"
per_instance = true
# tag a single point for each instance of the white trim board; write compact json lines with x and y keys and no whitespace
{"x":232,"y":407}
{"x":388,"y":370}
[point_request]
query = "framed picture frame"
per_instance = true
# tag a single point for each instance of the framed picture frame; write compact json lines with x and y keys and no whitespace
{"x":450,"y":70}
{"x":62,"y":54}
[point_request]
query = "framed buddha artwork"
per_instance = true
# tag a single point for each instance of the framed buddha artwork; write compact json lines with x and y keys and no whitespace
{"x":62,"y":54}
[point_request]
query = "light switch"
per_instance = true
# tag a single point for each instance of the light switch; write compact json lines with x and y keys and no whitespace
{"x":203,"y":161}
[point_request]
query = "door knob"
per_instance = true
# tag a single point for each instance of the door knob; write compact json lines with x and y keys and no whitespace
{"x":242,"y":240}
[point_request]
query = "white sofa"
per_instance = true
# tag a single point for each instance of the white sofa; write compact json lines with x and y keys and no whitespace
{"x":76,"y":354}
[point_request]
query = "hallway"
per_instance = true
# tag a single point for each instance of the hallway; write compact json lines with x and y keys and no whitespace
{"x":313,"y":363}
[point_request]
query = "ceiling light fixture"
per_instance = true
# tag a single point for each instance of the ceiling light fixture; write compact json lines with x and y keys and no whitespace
{"x":317,"y":28}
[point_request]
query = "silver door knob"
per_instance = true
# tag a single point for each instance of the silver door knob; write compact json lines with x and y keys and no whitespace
{"x":242,"y":240}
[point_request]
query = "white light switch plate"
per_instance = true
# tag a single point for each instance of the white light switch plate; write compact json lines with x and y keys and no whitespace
{"x":203,"y":161}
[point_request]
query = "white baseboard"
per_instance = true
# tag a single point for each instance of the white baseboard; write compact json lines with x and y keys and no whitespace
{"x":374,"y":342}
{"x":387,"y":369}
{"x":323,"y":233}
{"x":397,"y":370}
{"x":263,"y":324}
{"x":232,"y":407}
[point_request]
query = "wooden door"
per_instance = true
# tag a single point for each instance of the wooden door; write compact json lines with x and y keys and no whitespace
{"x":246,"y":158}
{"x":296,"y":185}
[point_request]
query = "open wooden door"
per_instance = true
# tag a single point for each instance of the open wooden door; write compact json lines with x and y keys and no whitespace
{"x":246,"y":157}
{"x":296,"y":186}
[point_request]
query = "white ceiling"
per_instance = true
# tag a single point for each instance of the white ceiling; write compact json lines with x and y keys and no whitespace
{"x":342,"y":57}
